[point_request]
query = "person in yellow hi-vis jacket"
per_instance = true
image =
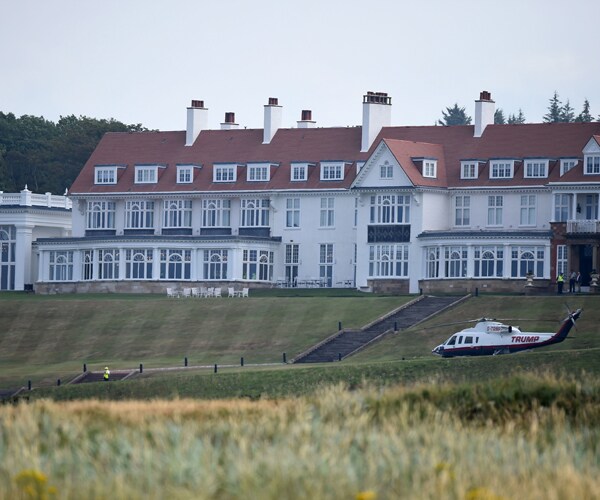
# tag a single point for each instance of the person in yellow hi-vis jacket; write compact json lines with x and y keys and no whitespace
{"x":106,"y":373}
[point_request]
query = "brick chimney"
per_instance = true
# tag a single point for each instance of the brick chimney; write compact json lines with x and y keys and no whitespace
{"x":273,"y":114}
{"x":229,"y":123}
{"x":377,"y":113}
{"x":306,"y":121}
{"x":484,"y":112}
{"x":197,"y":120}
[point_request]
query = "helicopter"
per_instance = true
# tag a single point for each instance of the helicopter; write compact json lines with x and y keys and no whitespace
{"x":491,"y":337}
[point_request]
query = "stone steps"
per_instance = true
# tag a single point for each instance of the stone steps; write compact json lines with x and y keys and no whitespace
{"x":350,"y":341}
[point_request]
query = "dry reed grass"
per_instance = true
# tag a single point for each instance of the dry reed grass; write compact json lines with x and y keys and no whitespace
{"x":336,"y":443}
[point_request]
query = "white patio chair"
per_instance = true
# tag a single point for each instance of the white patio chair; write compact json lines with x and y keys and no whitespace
{"x":210,"y":291}
{"x":245,"y":292}
{"x":231,"y":292}
{"x":187,"y":293}
{"x":217,"y":292}
{"x":172,"y":293}
{"x":195,"y":291}
{"x":203,"y":291}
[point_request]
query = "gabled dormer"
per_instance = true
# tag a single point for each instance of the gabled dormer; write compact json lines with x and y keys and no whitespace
{"x":382,"y":169}
{"x":591,"y":156}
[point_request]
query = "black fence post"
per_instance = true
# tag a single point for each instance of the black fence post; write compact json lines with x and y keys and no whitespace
{"x":141,"y":368}
{"x":339,"y":356}
{"x":395,"y":326}
{"x":185,"y":361}
{"x":58,"y":382}
{"x":29,"y":385}
{"x":284,"y":358}
{"x":215,"y":367}
{"x":84,"y":368}
{"x":477,"y":292}
{"x":339,"y":325}
{"x":242,"y":361}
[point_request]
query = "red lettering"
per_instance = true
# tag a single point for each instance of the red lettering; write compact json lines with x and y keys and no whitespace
{"x":525,"y":339}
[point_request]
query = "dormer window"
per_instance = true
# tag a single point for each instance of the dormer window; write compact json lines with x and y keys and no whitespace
{"x":225,"y":173}
{"x":469,"y":169}
{"x":258,"y":172}
{"x":299,"y":172}
{"x":501,"y":169}
{"x":332,"y":171}
{"x":105,"y":174}
{"x":185,"y":174}
{"x":430,"y":168}
{"x":145,"y":174}
{"x":567,"y":164}
{"x":536,"y":168}
{"x":386,"y":170}
{"x":592,"y":164}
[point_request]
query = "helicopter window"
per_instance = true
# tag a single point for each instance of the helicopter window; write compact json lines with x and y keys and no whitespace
{"x":468,"y":340}
{"x":477,"y":340}
{"x":460,"y":339}
{"x":452,"y":340}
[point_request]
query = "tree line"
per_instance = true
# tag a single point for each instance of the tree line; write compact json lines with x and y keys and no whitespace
{"x":557,"y":112}
{"x":48,"y":156}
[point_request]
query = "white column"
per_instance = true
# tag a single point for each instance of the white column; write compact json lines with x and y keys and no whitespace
{"x":155,"y":263}
{"x":548,"y":259}
{"x":23,"y":255}
{"x":507,"y":260}
{"x":121,"y":263}
{"x":442,"y":261}
{"x":77,"y":265}
{"x":470,"y":261}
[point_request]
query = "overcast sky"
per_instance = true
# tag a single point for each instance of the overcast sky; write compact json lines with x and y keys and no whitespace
{"x":143,"y":61}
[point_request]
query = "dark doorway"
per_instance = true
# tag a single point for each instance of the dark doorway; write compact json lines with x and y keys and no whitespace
{"x":585,"y":263}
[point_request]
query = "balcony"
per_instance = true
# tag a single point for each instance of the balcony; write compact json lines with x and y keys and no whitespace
{"x":581,"y":226}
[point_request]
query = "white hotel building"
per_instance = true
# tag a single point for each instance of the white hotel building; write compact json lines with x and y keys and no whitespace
{"x":376,"y":207}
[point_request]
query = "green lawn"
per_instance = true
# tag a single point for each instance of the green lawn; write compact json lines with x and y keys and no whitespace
{"x":48,"y":337}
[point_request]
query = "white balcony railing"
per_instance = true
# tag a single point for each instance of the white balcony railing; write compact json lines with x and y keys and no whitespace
{"x":28,"y":199}
{"x":583,"y":226}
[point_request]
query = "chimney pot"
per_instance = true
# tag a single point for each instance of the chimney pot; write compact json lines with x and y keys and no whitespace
{"x":306,"y":114}
{"x":197,"y":104}
{"x":229,"y":117}
{"x":484,"y":95}
{"x":273,"y":101}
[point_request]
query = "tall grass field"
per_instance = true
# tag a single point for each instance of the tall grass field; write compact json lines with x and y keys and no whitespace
{"x":527,"y":437}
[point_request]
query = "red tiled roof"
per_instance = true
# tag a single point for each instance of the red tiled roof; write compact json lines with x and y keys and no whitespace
{"x":406,"y":151}
{"x":449,"y":144}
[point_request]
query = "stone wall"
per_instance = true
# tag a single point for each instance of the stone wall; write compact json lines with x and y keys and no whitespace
{"x":399,"y":287}
{"x":465,"y":286}
{"x":159,"y":287}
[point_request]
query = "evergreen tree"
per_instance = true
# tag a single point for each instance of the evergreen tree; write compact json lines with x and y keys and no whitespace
{"x":48,"y":156}
{"x":516,"y":119}
{"x":585,"y":115}
{"x":567,"y":113}
{"x":499,"y":117}
{"x":455,"y":116}
{"x":554,"y":114}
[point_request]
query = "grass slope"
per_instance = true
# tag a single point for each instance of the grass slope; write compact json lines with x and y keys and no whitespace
{"x":48,"y":337}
